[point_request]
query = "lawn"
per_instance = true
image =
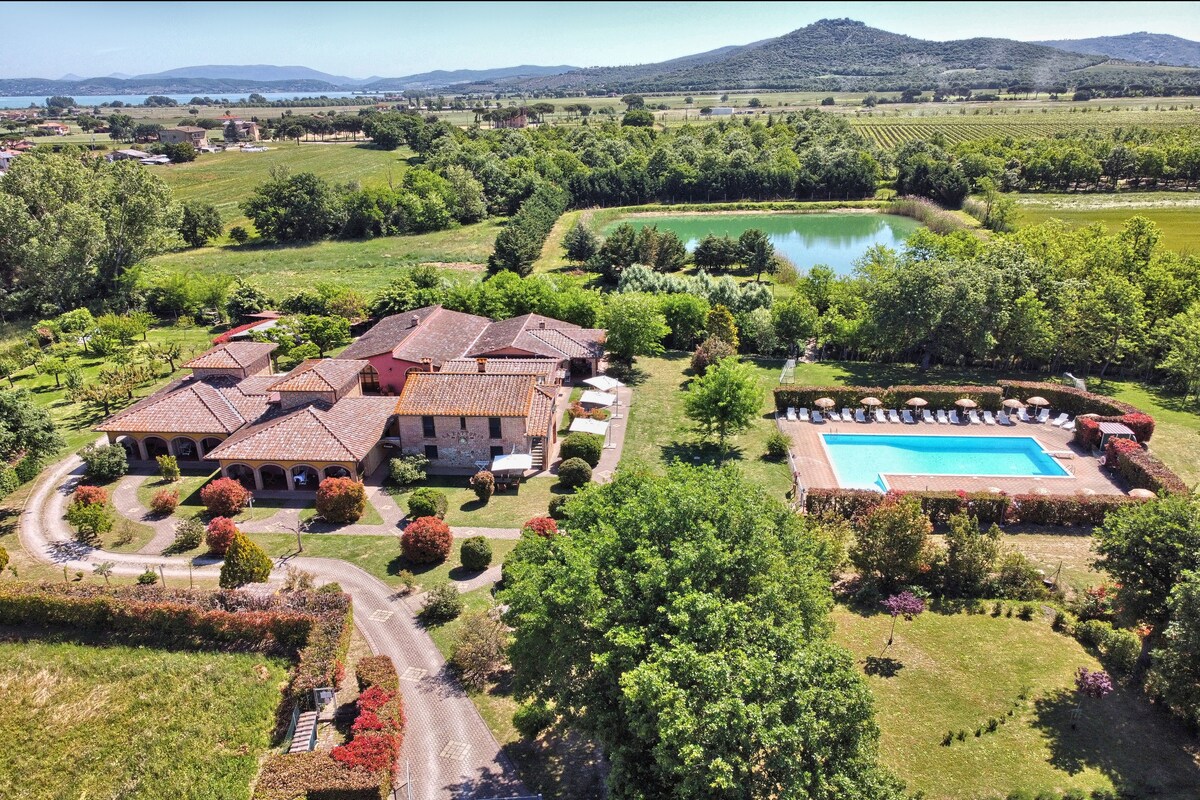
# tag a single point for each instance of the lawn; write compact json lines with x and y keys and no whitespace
{"x":84,"y":721}
{"x":367,"y":265}
{"x":509,"y":509}
{"x":659,"y":433}
{"x":955,"y":672}
{"x":1175,"y":213}
{"x":1177,"y":424}
{"x":226,"y":179}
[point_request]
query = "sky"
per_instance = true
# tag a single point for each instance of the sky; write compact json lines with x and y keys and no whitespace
{"x":393,"y":39}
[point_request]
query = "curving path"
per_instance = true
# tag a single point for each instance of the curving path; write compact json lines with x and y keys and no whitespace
{"x":448,"y":750}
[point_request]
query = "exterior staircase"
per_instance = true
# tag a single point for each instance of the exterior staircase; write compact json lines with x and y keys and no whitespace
{"x":305,"y":737}
{"x":538,"y":455}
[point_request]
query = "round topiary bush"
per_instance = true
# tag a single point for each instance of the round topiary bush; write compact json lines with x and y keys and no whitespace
{"x":777,"y":445}
{"x":427,"y":502}
{"x":426,"y":540}
{"x":483,"y":484}
{"x":224,"y":497}
{"x":586,"y":446}
{"x":574,"y":472}
{"x":220,"y":534}
{"x":104,"y":463}
{"x":341,"y":500}
{"x":86,"y":495}
{"x":476,"y":553}
{"x":164,"y":502}
{"x":245,"y":562}
{"x":542,"y":526}
{"x":558,"y":505}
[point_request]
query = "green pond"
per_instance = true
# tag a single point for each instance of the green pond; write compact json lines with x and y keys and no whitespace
{"x":835,"y":240}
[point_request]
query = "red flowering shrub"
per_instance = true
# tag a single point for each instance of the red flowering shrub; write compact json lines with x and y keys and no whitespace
{"x":374,"y":698}
{"x":220,"y":534}
{"x":86,"y":495}
{"x":542,"y":526}
{"x":577,"y":411}
{"x":224,"y":497}
{"x":1141,"y":424}
{"x":1141,"y":469}
{"x":426,"y":540}
{"x":164,"y":502}
{"x":341,"y":500}
{"x":374,"y":752}
{"x":1087,"y":432}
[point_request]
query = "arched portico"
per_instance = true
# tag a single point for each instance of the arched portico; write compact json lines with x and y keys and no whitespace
{"x":243,"y":474}
{"x":305,"y":478}
{"x":337,"y":471}
{"x":273,"y":477}
{"x":155,"y":446}
{"x":185,"y":448}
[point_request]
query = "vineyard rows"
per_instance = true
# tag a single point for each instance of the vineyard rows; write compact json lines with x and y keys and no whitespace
{"x":889,"y":133}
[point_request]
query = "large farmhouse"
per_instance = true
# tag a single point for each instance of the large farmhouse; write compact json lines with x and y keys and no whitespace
{"x":470,"y":390}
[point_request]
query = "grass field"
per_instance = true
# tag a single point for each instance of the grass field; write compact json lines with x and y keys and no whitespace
{"x":509,"y":509}
{"x":659,"y":433}
{"x":105,"y":721}
{"x":1176,"y":213}
{"x":367,"y":265}
{"x":226,"y":179}
{"x":955,"y":672}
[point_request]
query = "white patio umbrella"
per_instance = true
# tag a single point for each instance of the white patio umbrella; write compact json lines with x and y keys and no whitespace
{"x":584,"y":425}
{"x":1013,"y":402}
{"x":594,"y":398}
{"x":604,"y":383}
{"x":966,"y":402}
{"x":1038,"y":401}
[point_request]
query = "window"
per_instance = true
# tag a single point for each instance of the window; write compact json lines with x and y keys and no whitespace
{"x":462,"y":423}
{"x":494,"y":428}
{"x":370,"y":379}
{"x":431,"y":452}
{"x":497,"y":450}
{"x":427,"y":428}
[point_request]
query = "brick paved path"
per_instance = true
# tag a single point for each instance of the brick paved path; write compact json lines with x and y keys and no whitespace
{"x":448,"y":750}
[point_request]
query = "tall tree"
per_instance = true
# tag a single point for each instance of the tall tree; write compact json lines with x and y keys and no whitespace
{"x":635,"y":325}
{"x":725,"y":399}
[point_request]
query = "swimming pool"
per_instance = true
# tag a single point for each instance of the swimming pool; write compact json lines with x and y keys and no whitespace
{"x":861,"y":460}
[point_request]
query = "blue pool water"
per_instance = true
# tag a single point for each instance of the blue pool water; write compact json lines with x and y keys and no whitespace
{"x":860,"y":459}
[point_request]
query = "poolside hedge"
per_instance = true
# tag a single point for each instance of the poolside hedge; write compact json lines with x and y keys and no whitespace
{"x":988,"y":397}
{"x":987,"y":507}
{"x":1141,"y":469}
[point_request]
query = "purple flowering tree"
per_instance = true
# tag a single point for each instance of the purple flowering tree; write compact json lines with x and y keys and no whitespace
{"x":907,"y":605}
{"x":1096,"y":684}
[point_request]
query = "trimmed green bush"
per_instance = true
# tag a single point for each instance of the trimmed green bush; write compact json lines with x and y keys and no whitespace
{"x":476,"y":553}
{"x":558,"y":504}
{"x":104,"y":463}
{"x":168,"y":468}
{"x":442,"y":604}
{"x":407,"y":470}
{"x":483,"y":484}
{"x":574,"y":472}
{"x":427,"y":502}
{"x":245,"y":562}
{"x":586,"y":446}
{"x":341,"y":500}
{"x":778,"y":445}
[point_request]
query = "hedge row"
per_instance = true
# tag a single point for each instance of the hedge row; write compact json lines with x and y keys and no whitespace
{"x":988,"y":397}
{"x":1141,"y":469}
{"x":987,"y":507}
{"x":1067,"y":398}
{"x":312,"y":627}
{"x":1087,"y":429}
{"x":361,"y":771}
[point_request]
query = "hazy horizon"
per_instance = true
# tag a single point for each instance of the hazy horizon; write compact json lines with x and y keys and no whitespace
{"x":360,"y":40}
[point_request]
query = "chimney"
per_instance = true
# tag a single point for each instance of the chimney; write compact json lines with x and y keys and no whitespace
{"x":427,"y":363}
{"x":542,"y":324}
{"x":481,"y":365}
{"x":415,"y":321}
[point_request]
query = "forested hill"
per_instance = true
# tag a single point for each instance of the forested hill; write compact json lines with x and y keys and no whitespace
{"x":1160,"y":48}
{"x":843,"y":54}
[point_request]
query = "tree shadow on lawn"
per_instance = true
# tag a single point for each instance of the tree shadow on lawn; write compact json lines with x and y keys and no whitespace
{"x":882,"y":666}
{"x":700,"y":452}
{"x":1115,"y":735}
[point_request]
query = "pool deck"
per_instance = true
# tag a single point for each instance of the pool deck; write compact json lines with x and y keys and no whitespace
{"x":815,"y":471}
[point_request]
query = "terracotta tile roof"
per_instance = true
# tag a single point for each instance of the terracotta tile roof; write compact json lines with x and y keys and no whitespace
{"x":439,"y":334}
{"x":345,"y":432}
{"x":188,"y":129}
{"x":541,"y":409}
{"x":504,"y":334}
{"x":188,"y":406}
{"x":464,"y":394}
{"x":234,"y":355}
{"x":320,"y":375}
{"x":546,"y":368}
{"x":571,"y":343}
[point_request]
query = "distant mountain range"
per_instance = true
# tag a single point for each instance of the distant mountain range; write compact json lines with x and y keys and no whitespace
{"x":1160,"y":48}
{"x":829,"y":55}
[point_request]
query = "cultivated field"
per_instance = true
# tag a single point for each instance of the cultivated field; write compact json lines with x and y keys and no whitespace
{"x":108,"y":721}
{"x":1176,"y":213}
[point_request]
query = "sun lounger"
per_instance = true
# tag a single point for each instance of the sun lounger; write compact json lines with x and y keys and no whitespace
{"x":1070,"y":426}
{"x":941,"y":416}
{"x":859,"y":416}
{"x":893,"y":416}
{"x":846,"y":415}
{"x":879,"y":417}
{"x":833,"y":415}
{"x":791,"y":414}
{"x":954,"y":420}
{"x":802,"y":415}
{"x":1023,"y":415}
{"x":988,"y":419}
{"x":816,"y":417}
{"x":1060,"y":420}
{"x":907,"y":418}
{"x":1003,"y":418}
{"x":973,"y":417}
{"x":1043,"y":415}
{"x":925,"y":415}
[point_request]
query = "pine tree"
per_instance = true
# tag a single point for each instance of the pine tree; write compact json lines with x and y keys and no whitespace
{"x":245,"y":562}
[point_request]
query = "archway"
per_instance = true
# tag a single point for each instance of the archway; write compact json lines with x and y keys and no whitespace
{"x":337,"y":472}
{"x":242,"y":474}
{"x":131,"y":447}
{"x":209,"y":444}
{"x":156,"y":446}
{"x":185,"y":449}
{"x":305,"y":478}
{"x":273,"y":477}
{"x":369,"y":379}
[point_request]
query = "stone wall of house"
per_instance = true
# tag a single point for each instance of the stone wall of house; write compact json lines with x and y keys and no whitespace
{"x":297,"y":399}
{"x":260,"y":367}
{"x":454,"y":454}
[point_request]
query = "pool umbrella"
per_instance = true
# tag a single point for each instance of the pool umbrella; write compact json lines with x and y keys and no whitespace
{"x":1013,"y":402}
{"x":871,"y":401}
{"x":824,"y":402}
{"x":917,"y":402}
{"x":1038,"y":401}
{"x":966,"y":402}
